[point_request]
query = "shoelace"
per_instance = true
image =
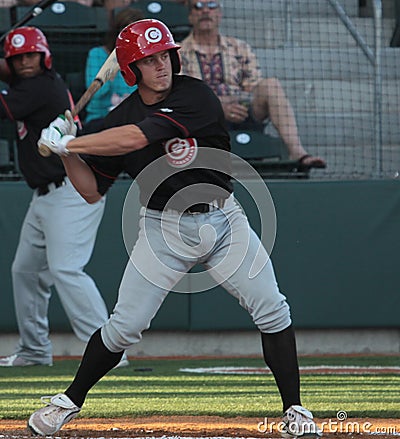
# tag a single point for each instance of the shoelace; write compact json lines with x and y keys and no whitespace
{"x":55,"y":414}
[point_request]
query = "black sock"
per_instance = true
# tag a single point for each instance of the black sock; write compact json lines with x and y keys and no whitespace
{"x":280,"y":355}
{"x":96,"y":362}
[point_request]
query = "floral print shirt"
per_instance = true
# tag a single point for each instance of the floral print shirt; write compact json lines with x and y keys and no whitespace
{"x":232,"y":69}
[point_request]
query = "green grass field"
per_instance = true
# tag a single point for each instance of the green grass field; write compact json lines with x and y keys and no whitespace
{"x":166,"y":391}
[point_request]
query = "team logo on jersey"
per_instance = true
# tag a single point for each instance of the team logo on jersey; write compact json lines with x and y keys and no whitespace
{"x":181,"y":152}
{"x":153,"y":35}
{"x":18,"y":40}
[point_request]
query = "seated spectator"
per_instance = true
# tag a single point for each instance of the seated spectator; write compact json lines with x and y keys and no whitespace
{"x":116,"y":90}
{"x":231,"y":69}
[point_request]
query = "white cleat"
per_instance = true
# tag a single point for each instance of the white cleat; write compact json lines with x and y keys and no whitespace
{"x":123,"y":363}
{"x":299,"y":423}
{"x":15,"y":360}
{"x":58,"y":411}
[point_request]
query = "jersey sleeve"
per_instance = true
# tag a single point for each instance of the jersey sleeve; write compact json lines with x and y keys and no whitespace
{"x":182,"y":114}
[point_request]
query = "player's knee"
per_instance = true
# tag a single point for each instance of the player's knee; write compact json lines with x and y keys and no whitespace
{"x":119,"y":337}
{"x":61,"y":273}
{"x":275,"y":321}
{"x":16,"y":268}
{"x":21,"y":265}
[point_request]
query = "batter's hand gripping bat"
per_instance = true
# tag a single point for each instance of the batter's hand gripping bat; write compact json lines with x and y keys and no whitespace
{"x":107,"y":71}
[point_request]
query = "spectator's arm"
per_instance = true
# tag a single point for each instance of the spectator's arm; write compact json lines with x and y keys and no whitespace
{"x":251,"y":68}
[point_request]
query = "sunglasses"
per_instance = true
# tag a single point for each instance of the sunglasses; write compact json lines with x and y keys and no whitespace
{"x":201,"y":5}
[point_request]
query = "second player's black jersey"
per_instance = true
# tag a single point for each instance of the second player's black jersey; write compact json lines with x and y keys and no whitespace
{"x":187,"y":158}
{"x":32,"y":104}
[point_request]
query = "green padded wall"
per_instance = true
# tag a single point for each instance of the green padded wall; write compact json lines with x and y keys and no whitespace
{"x":336,"y":257}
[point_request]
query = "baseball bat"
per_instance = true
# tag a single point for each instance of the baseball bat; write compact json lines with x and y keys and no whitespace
{"x":107,"y":71}
{"x":32,"y":13}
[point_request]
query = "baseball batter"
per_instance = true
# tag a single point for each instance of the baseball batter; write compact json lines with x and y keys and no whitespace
{"x":170,"y":136}
{"x":59,"y":229}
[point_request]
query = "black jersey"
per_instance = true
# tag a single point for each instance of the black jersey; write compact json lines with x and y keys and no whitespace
{"x":33,"y":103}
{"x":183,"y":131}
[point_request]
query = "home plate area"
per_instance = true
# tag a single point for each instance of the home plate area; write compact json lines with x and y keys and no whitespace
{"x":198,"y":427}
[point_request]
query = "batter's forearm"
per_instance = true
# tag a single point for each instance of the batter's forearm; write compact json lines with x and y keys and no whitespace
{"x":111,"y":142}
{"x":81,"y":177}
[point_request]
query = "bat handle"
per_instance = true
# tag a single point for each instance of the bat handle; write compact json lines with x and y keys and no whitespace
{"x":44,"y":150}
{"x":85,"y":98}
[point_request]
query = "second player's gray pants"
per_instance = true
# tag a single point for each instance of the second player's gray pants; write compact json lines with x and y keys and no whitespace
{"x":56,"y":242}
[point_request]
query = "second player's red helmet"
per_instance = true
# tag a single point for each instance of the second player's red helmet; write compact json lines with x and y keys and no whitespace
{"x":140,"y":39}
{"x":27,"y":39}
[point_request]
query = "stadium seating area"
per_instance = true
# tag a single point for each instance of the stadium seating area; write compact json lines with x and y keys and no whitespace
{"x":346,"y":105}
{"x":5,"y":20}
{"x":175,"y":15}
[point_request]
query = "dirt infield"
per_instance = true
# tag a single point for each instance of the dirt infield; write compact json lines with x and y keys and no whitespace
{"x":201,"y":426}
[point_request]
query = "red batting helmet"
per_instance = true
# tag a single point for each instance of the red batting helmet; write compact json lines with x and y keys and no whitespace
{"x":25,"y":40}
{"x":140,"y":39}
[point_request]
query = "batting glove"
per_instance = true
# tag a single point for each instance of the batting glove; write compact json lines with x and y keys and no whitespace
{"x":65,"y":124}
{"x":55,"y":141}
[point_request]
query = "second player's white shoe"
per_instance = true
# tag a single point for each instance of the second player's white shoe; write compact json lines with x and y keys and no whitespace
{"x":58,"y":411}
{"x":299,"y":423}
{"x":15,"y":360}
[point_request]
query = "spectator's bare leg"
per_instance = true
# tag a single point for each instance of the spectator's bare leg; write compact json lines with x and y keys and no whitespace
{"x":269,"y":100}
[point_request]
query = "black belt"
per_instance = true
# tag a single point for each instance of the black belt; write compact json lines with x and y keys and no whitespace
{"x":46,"y":188}
{"x":199,"y":208}
{"x":206,"y":207}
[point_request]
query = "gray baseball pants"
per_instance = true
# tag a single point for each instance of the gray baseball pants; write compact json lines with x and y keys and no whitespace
{"x":56,"y":242}
{"x":169,"y":245}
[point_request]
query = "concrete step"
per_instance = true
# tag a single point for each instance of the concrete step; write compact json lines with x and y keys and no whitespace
{"x":266,"y":32}
{"x":223,"y":344}
{"x":313,"y":63}
{"x":388,"y":6}
{"x":347,"y":144}
{"x":353,"y":129}
{"x":341,"y":96}
{"x":273,"y":8}
{"x":358,"y":161}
